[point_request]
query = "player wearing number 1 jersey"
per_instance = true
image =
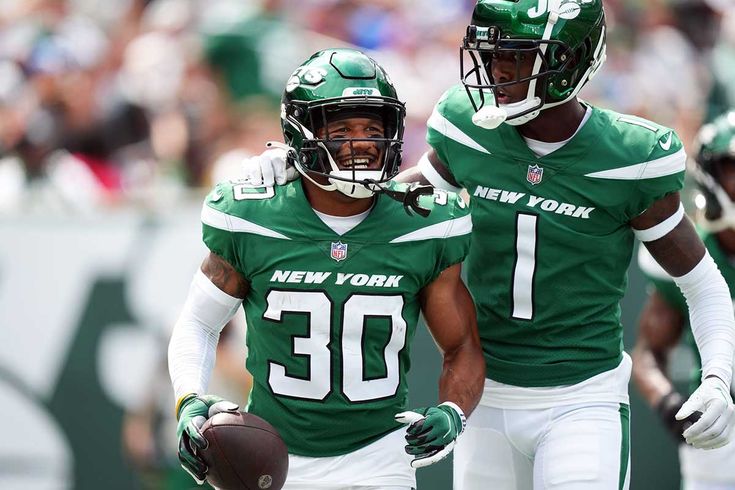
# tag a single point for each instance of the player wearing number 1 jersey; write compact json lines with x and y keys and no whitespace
{"x":559,"y":190}
{"x":332,"y":272}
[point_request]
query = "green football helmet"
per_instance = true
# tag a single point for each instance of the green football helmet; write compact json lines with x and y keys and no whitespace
{"x":715,"y":148}
{"x":333,"y":84}
{"x":565,"y":37}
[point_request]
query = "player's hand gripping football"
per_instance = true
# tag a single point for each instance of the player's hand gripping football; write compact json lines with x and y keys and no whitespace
{"x":193,"y":410}
{"x":270,"y":167}
{"x":432,"y":432}
{"x":714,"y":427}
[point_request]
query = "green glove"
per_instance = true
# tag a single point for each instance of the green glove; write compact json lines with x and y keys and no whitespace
{"x":432,"y":432}
{"x":192,"y":411}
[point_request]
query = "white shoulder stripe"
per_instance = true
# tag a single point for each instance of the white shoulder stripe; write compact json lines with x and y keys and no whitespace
{"x":649,"y":266}
{"x":223,"y":221}
{"x":441,"y":124}
{"x":638,"y":122}
{"x":445,"y":229}
{"x":660,"y":167}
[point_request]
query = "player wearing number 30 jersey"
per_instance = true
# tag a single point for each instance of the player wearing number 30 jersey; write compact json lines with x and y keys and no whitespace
{"x":559,"y":190}
{"x":331,"y":317}
{"x":332,"y":271}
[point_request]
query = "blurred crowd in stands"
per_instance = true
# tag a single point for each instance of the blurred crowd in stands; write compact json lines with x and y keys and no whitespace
{"x":140,"y":101}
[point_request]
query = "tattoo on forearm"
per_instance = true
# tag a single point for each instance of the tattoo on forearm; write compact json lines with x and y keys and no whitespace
{"x":224,"y":276}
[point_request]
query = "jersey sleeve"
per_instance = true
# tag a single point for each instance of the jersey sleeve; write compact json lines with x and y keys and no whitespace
{"x":661,"y":174}
{"x":456,"y":244}
{"x":435,"y":128}
{"x":216,"y":230}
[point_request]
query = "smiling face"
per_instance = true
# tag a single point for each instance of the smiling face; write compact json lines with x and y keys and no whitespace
{"x":349,"y":142}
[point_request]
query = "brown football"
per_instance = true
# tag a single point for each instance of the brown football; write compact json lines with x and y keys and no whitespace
{"x":245,"y":453}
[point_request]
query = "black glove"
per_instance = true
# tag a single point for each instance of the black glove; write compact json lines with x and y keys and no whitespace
{"x":667,"y":408}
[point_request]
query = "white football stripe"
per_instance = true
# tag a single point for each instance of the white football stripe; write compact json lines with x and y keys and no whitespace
{"x":227,"y":222}
{"x":638,"y":122}
{"x":668,"y":165}
{"x":441,"y":124}
{"x":445,"y":229}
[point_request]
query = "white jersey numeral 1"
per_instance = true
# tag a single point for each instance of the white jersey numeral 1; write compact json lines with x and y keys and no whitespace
{"x":525,"y":266}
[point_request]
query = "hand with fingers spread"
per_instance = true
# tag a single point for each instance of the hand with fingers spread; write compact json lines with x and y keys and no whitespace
{"x":432,"y":432}
{"x":270,"y":167}
{"x":714,"y":427}
{"x":193,"y":410}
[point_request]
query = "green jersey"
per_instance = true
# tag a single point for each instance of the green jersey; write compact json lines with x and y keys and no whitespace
{"x":670,"y":292}
{"x":551,"y":240}
{"x":331,"y":317}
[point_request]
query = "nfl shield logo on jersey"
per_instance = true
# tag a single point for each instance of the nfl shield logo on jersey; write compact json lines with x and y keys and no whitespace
{"x":535,"y":174}
{"x":339,"y":251}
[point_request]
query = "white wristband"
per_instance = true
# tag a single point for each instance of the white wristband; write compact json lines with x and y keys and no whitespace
{"x":459,"y":411}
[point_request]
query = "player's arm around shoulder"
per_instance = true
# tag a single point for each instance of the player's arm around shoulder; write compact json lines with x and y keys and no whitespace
{"x":674,"y":243}
{"x":430,"y":170}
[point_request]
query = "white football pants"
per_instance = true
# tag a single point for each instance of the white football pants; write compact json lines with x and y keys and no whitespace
{"x":571,"y":447}
{"x":707,"y":469}
{"x":382,"y":465}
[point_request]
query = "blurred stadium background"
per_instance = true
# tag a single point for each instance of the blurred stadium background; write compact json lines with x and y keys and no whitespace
{"x":116,"y":116}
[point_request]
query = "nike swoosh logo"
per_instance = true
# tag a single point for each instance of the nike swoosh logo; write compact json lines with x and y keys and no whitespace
{"x":665,"y":145}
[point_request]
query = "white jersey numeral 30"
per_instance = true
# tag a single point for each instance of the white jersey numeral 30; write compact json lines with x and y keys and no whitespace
{"x":317,"y":385}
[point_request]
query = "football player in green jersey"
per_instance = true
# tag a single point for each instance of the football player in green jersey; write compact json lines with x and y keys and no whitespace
{"x":332,"y":275}
{"x":559,"y":191}
{"x":664,"y":318}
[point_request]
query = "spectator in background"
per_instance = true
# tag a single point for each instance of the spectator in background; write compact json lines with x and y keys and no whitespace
{"x":149,"y":98}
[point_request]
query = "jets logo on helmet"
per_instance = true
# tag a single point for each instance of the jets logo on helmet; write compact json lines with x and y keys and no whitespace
{"x":565,"y":37}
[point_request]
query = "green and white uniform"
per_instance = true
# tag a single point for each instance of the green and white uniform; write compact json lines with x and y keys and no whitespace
{"x":548,"y":306}
{"x":330,"y":318}
{"x":547,"y":269}
{"x":699,"y":467}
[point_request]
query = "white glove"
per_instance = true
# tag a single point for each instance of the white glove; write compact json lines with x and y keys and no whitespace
{"x":714,"y":427}
{"x":270,"y":167}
